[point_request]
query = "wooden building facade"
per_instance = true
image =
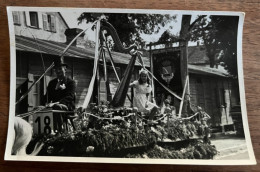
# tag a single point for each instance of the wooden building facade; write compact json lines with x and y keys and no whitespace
{"x":36,"y":47}
{"x":29,"y":66}
{"x":215,"y":92}
{"x":213,"y":89}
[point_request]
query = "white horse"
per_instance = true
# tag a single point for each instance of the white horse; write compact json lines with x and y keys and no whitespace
{"x":22,"y":136}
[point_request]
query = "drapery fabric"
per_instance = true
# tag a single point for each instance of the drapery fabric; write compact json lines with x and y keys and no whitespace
{"x":91,"y":85}
{"x":121,"y":92}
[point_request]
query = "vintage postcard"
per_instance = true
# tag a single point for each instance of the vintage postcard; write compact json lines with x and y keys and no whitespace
{"x":127,"y":86}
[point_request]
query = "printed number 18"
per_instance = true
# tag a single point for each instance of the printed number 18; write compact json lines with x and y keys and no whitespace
{"x":47,"y":122}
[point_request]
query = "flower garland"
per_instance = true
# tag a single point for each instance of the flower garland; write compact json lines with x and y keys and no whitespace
{"x":105,"y":132}
{"x":101,"y":142}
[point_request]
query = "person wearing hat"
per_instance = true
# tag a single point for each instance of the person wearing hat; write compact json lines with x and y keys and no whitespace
{"x":142,"y":94}
{"x":61,"y":94}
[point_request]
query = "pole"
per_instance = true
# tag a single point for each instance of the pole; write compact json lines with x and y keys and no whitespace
{"x":151,"y":63}
{"x":183,"y":94}
{"x":184,"y":34}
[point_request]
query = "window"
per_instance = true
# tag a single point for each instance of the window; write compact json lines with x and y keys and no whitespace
{"x":16,"y":17}
{"x":49,"y":22}
{"x":52,"y":21}
{"x":34,"y":19}
{"x":45,"y":22}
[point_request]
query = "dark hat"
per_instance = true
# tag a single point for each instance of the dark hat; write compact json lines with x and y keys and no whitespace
{"x":59,"y":62}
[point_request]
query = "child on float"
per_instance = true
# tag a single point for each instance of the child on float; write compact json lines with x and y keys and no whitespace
{"x":142,"y":96}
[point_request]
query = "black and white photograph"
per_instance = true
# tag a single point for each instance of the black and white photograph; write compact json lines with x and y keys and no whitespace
{"x":127,"y":86}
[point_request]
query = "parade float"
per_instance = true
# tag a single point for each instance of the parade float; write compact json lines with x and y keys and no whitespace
{"x":124,"y":133}
{"x":111,"y":129}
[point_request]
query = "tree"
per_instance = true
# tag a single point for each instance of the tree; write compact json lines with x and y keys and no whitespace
{"x":206,"y":31}
{"x":219,"y":34}
{"x":226,"y":36}
{"x":167,"y":36}
{"x":129,"y":26}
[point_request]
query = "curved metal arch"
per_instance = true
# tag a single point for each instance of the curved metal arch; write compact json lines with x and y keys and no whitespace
{"x":112,"y":31}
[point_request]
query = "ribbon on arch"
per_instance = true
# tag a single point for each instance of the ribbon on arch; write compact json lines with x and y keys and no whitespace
{"x":92,"y":82}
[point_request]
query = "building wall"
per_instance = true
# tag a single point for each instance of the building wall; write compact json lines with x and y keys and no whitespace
{"x":82,"y":73}
{"x":213,"y":94}
{"x":23,"y":28}
{"x":29,"y":65}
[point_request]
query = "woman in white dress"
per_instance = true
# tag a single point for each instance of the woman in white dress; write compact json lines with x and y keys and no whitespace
{"x":142,"y":95}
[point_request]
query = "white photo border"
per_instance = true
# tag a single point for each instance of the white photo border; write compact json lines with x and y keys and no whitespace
{"x":8,"y":156}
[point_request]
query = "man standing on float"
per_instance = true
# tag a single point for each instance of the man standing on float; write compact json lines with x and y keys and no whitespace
{"x":61,"y":95}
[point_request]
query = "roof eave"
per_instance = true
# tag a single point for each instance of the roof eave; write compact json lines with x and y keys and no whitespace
{"x":194,"y":71}
{"x":64,"y":20}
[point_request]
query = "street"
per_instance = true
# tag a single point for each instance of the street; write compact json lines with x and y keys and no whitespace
{"x":230,"y":148}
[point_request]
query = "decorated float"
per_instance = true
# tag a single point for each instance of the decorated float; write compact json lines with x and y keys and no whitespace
{"x":111,"y":129}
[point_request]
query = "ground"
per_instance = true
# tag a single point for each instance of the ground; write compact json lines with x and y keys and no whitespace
{"x":230,"y":147}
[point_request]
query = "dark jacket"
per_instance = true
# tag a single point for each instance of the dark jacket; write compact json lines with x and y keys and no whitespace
{"x":65,"y":95}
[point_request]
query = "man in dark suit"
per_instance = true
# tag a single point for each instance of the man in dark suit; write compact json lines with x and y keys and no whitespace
{"x":61,"y":94}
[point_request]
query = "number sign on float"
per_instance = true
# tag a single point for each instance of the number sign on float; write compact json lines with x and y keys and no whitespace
{"x":43,"y":123}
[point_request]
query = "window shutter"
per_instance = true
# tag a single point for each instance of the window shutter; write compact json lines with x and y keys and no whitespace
{"x":31,"y":101}
{"x":47,"y":79}
{"x":27,"y":18}
{"x":16,"y":17}
{"x":53,"y":23}
{"x":45,"y":21}
{"x":40,"y":20}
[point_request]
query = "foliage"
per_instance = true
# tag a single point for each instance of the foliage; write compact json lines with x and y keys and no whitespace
{"x":103,"y":142}
{"x":183,"y":130}
{"x":167,"y":36}
{"x":227,"y":36}
{"x":107,"y":132}
{"x":206,"y":31}
{"x":180,"y":130}
{"x":112,"y":141}
{"x":218,"y":33}
{"x":194,"y":150}
{"x":130,"y":26}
